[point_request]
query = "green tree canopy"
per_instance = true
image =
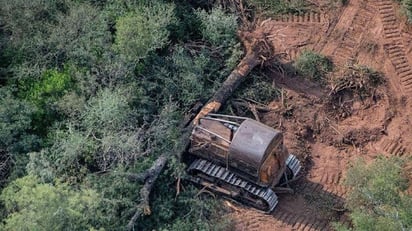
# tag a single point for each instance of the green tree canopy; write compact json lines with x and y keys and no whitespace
{"x":377,"y":197}
{"x":143,"y":30}
{"x":37,"y":206}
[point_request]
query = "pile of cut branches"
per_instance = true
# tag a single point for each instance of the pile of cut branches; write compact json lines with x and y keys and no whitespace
{"x":353,"y":83}
{"x":359,"y":80}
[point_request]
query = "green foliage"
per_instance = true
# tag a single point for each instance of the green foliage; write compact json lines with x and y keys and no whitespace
{"x":165,"y":129}
{"x":143,"y":30}
{"x":187,"y":25}
{"x":16,"y":135}
{"x":106,"y":135}
{"x":233,"y":60}
{"x":186,"y":76}
{"x":71,"y":105}
{"x":79,"y":37}
{"x":49,"y":33}
{"x":258,"y":89}
{"x":52,"y":85}
{"x":377,"y":200}
{"x":187,"y":212}
{"x":118,"y":196}
{"x":28,"y":19}
{"x":15,"y":124}
{"x":36,"y":206}
{"x":313,"y":66}
{"x":217,"y":27}
{"x":407,"y":5}
{"x":187,"y":83}
{"x":97,"y":95}
{"x":44,"y":94}
{"x":69,"y":156}
{"x":108,"y":110}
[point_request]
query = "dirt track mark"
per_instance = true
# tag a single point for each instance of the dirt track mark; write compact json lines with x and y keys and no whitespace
{"x":309,"y":17}
{"x":293,"y":53}
{"x":327,"y":171}
{"x":398,"y":58}
{"x":347,"y":49}
{"x":333,"y":192}
{"x":301,"y":222}
{"x":292,"y":211}
{"x":393,"y":46}
{"x":393,"y":146}
{"x":288,"y":220}
{"x":348,"y":33}
{"x":391,"y":28}
{"x":332,"y":183}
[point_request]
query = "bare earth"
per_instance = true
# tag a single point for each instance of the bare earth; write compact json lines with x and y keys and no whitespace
{"x":371,"y":33}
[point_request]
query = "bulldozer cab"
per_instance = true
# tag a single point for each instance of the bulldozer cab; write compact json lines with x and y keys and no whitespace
{"x":251,"y":149}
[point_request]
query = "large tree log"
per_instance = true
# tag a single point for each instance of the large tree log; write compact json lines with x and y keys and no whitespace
{"x":257,"y":51}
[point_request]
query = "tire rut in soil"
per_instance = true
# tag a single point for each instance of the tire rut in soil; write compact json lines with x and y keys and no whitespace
{"x":300,"y":222}
{"x":393,"y":146}
{"x":348,"y":47}
{"x":305,"y":18}
{"x":317,"y":194}
{"x":390,"y":25}
{"x":394,"y":47}
{"x":397,"y":56}
{"x":293,"y":219}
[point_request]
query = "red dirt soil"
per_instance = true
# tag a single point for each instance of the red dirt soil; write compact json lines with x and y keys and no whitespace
{"x":370,"y":33}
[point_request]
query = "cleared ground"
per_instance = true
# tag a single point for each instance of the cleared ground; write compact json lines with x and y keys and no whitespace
{"x":370,"y":33}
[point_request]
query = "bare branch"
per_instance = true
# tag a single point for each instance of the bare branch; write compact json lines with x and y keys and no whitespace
{"x":143,"y":208}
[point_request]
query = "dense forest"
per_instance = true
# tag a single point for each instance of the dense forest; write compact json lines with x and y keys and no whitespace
{"x":93,"y":92}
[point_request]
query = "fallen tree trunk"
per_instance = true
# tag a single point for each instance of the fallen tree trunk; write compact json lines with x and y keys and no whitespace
{"x":235,"y":78}
{"x":152,"y":173}
{"x":257,"y":51}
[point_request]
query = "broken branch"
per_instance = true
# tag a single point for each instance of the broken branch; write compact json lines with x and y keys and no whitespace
{"x":144,"y":206}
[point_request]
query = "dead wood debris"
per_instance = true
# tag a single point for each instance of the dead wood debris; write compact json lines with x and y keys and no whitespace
{"x":152,"y":174}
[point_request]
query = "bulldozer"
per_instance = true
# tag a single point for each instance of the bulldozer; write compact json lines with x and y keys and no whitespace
{"x":240,"y":158}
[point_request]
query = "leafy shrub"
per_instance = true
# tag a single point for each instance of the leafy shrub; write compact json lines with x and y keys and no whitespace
{"x":52,"y":85}
{"x":45,"y":94}
{"x":143,"y":31}
{"x":185,"y":76}
{"x":187,"y":25}
{"x":79,"y":37}
{"x":109,"y":110}
{"x":68,"y":158}
{"x":99,"y":112}
{"x":189,"y":79}
{"x":187,"y":211}
{"x":36,"y":206}
{"x":313,"y":66}
{"x":217,"y":27}
{"x":15,"y":122}
{"x":29,"y":20}
{"x":407,"y":5}
{"x":376,"y":198}
{"x":258,"y":89}
{"x":49,"y":33}
{"x":16,"y":135}
{"x":233,"y":60}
